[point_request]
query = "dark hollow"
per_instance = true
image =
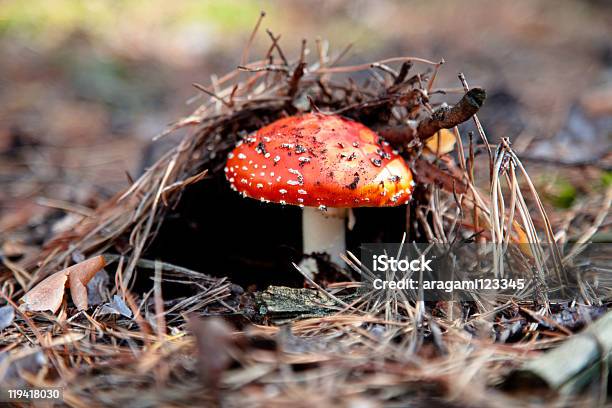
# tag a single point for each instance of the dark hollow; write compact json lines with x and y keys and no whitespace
{"x":216,"y":231}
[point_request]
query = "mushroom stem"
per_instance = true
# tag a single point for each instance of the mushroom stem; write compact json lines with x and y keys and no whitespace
{"x":324,"y":231}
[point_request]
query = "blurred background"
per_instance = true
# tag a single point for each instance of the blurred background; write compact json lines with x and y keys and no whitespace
{"x":86,"y":85}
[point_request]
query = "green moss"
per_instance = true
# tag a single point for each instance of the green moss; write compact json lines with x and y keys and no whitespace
{"x":226,"y":15}
{"x":561,"y":193}
{"x":606,"y":179}
{"x":34,"y":17}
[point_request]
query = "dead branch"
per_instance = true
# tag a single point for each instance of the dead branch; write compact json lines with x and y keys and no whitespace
{"x":443,"y":118}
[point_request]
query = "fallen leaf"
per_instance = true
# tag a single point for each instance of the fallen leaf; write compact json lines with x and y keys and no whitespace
{"x":442,"y":142}
{"x":522,"y":239}
{"x":7,"y":315}
{"x":116,"y":306}
{"x":49,"y":293}
{"x":78,"y":277}
{"x":97,"y":288}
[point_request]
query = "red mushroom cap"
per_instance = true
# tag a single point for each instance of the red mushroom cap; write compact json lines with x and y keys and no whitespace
{"x":319,"y":160}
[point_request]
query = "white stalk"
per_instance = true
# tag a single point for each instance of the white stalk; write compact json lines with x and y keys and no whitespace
{"x":324,"y":231}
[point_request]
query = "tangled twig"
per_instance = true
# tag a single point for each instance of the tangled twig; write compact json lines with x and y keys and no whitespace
{"x":443,"y":118}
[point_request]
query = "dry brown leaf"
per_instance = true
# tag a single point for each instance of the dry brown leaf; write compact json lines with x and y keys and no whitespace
{"x":521,"y":238}
{"x":49,"y":293}
{"x":79,"y":275}
{"x":441,"y":143}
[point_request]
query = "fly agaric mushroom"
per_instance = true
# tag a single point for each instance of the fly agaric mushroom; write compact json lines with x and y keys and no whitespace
{"x":320,"y":162}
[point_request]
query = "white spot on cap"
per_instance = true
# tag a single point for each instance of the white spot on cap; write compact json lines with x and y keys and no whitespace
{"x":230,"y":155}
{"x":259,"y":185}
{"x":302,"y":192}
{"x":276,"y":159}
{"x":397,"y":195}
{"x":267,"y":155}
{"x":283,"y":202}
{"x":293,"y":183}
{"x":241,"y":156}
{"x":282,"y":191}
{"x":244,"y":181}
{"x":226,"y":169}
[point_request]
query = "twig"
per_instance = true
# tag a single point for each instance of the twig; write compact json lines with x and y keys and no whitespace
{"x":446,"y":118}
{"x":245,"y":53}
{"x":277,"y":46}
{"x":210,"y":93}
{"x":481,"y":132}
{"x":443,"y":118}
{"x":362,"y":67}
